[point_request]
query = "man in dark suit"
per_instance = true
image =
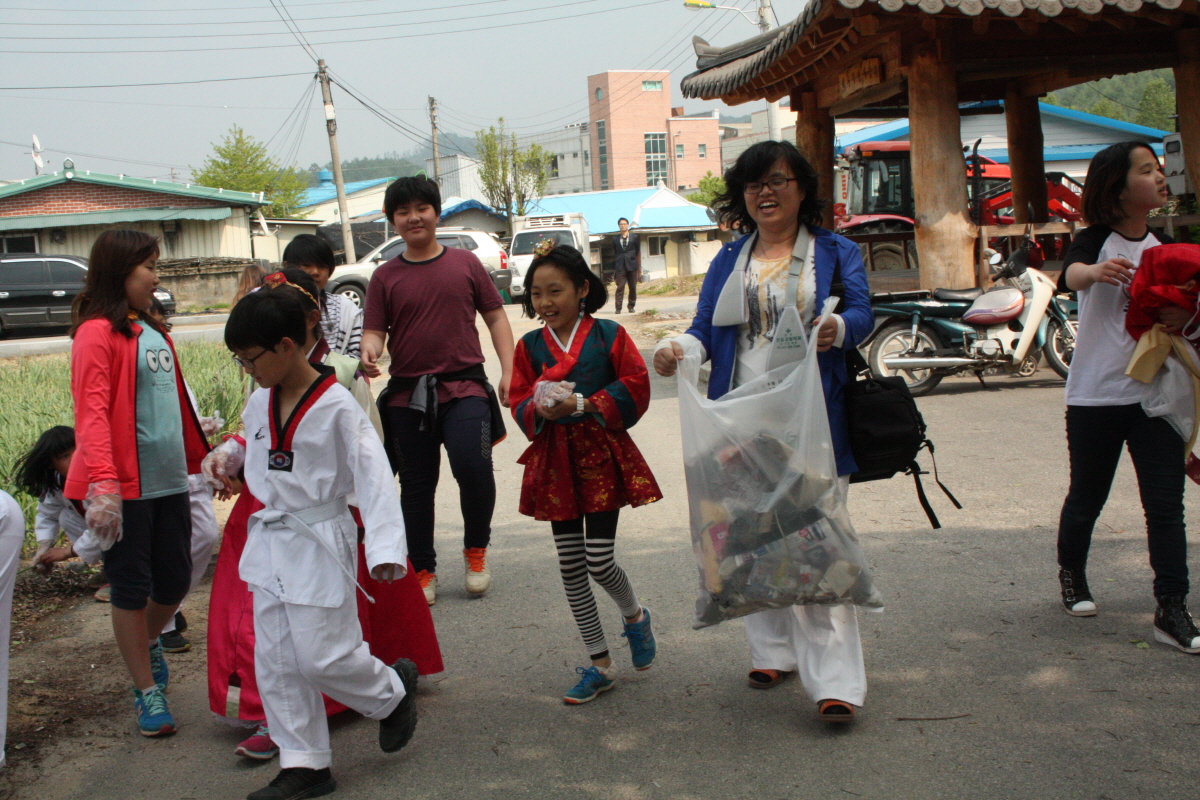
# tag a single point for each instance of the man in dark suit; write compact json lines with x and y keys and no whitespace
{"x":628,"y":266}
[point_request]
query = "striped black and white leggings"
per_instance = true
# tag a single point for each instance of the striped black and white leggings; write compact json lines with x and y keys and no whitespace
{"x":585,"y":547}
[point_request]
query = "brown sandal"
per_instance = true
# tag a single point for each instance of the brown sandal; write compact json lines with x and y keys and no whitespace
{"x":835,"y":711}
{"x":773,"y":678}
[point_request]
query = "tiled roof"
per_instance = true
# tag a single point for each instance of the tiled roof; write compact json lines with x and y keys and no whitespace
{"x":723,"y":70}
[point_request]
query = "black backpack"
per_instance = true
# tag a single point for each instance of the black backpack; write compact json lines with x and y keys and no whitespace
{"x":886,"y":430}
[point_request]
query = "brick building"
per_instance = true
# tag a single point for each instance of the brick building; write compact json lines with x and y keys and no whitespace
{"x":204,"y":234}
{"x":638,"y":139}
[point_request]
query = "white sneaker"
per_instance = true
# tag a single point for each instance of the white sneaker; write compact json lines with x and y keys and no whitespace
{"x":428,"y":581}
{"x":478,"y":577}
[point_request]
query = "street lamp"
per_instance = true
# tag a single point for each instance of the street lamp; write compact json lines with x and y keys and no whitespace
{"x":765,"y":15}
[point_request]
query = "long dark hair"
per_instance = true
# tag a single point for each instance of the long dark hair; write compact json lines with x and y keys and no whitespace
{"x":114,"y":256}
{"x":571,"y":262}
{"x":752,"y":165}
{"x":35,"y":474}
{"x":1107,"y":175}
{"x":264,"y":317}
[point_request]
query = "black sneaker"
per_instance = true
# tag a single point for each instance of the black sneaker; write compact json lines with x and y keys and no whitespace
{"x":296,"y":783}
{"x":1173,"y":624}
{"x":397,"y":727}
{"x":1076,"y":597}
{"x":174,"y":642}
{"x":181,"y":624}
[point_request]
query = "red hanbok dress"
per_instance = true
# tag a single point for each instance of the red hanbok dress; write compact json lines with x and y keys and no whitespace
{"x":398,"y":625}
{"x":581,"y":465}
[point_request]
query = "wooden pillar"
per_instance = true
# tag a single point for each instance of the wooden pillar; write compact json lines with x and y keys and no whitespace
{"x":814,"y":138}
{"x":1025,"y":143}
{"x":944,"y":232}
{"x":1187,"y":85}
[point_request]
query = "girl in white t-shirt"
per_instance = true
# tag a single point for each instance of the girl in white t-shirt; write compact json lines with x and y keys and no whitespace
{"x":1104,"y":412}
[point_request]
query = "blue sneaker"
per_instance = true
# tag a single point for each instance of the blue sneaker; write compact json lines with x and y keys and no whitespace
{"x":154,"y":718}
{"x":158,"y":665}
{"x":642,"y":645}
{"x":591,"y":684}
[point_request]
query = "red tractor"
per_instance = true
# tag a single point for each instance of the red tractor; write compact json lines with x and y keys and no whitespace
{"x":879,"y":197}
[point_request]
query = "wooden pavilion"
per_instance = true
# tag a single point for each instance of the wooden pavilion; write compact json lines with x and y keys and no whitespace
{"x":922,"y":58}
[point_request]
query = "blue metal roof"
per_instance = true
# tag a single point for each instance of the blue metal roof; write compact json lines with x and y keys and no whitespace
{"x":898,"y":130}
{"x":327,"y":191}
{"x":603,"y":209}
{"x":1066,"y":152}
{"x":467,"y":205}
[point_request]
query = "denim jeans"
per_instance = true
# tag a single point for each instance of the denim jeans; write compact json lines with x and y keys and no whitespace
{"x":1095,"y":435}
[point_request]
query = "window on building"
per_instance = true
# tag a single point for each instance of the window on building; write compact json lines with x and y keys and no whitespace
{"x":702,"y":151}
{"x":656,"y":245}
{"x":656,"y":158}
{"x":681,"y":188}
{"x":21,"y":243}
{"x":602,"y":152}
{"x":651,"y":86}
{"x":553,"y":166}
{"x":599,"y":93}
{"x":679,"y":151}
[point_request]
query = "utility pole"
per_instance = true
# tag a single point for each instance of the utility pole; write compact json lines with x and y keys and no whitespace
{"x":766,"y":17}
{"x":331,"y":128}
{"x":437,"y":161}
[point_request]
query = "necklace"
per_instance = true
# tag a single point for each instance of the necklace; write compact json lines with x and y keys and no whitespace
{"x":764,"y":253}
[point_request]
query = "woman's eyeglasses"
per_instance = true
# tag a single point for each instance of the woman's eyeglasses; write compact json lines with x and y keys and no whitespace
{"x":776,"y":184}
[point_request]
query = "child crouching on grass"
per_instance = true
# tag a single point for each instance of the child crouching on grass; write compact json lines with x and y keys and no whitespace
{"x":310,"y":446}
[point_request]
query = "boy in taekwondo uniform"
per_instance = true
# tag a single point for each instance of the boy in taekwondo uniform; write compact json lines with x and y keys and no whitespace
{"x":310,"y":450}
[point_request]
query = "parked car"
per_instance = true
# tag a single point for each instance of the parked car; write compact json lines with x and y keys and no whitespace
{"x":37,"y":290}
{"x":352,"y":280}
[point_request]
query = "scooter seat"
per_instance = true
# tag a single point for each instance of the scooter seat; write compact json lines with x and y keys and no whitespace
{"x":956,"y":294}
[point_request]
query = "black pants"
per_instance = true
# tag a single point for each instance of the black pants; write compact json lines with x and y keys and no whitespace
{"x":465,"y":428}
{"x":153,"y":560}
{"x":1095,"y":435}
{"x":622,"y":277}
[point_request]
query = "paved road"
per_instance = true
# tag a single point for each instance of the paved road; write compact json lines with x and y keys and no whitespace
{"x":980,"y":687}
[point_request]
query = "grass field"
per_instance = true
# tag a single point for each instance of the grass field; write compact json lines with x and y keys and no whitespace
{"x":35,"y":394}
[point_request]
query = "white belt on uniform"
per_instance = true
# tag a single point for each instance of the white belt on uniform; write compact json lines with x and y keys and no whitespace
{"x":300,"y":522}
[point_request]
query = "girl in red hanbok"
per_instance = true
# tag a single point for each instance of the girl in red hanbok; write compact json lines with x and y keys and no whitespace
{"x":578,"y":385}
{"x":397,"y":625}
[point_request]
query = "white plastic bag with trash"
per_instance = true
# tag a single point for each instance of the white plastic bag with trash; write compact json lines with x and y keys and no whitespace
{"x":768,"y":516}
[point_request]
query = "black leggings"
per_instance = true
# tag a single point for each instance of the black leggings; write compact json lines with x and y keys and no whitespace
{"x":582,"y":554}
{"x":465,"y":428}
{"x":1095,"y":435}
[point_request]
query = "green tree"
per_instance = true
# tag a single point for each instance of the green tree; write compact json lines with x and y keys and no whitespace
{"x":241,"y":163}
{"x":1157,"y":106}
{"x":709,"y":187}
{"x":512,"y":178}
{"x":1106,"y":108}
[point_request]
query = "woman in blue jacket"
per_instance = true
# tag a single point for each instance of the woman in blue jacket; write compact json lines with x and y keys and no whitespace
{"x":776,"y":276}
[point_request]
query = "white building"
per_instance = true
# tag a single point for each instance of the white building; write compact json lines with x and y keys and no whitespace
{"x":362,"y":197}
{"x":570,"y":157}
{"x":458,"y":176}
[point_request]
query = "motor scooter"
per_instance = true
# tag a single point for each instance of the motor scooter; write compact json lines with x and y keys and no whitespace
{"x":924,"y":336}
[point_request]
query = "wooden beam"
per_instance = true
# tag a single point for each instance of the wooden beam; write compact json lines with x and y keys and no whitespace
{"x":1025,"y":143}
{"x":1119,"y":20}
{"x":981,"y":23}
{"x":1075,"y":24}
{"x":814,"y":138}
{"x":872,"y":94}
{"x":945,"y":236}
{"x":1187,"y":84}
{"x":1027,"y":25}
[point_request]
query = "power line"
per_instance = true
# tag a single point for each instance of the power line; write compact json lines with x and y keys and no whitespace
{"x":167,"y":105}
{"x":243,"y":24}
{"x":68,"y":152}
{"x":139,"y":85}
{"x":359,"y":40}
{"x":176,"y":10}
{"x":288,"y":23}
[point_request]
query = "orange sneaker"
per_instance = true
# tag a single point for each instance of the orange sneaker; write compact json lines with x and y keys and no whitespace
{"x":428,"y":581}
{"x":478,"y":578}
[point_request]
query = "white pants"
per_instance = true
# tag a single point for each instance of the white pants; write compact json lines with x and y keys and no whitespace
{"x":204,"y":533}
{"x":301,"y":652}
{"x":12,"y":536}
{"x":819,"y":642}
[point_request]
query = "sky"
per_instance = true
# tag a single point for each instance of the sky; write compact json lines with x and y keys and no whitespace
{"x":525,"y":60}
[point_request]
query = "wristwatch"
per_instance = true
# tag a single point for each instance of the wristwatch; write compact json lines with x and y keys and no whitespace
{"x":578,"y":405}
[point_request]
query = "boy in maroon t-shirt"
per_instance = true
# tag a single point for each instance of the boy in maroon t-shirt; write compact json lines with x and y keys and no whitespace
{"x":423,"y":304}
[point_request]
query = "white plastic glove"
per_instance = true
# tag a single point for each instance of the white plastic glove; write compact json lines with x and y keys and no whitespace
{"x":103,"y":512}
{"x":550,"y":393}
{"x":223,"y":462}
{"x":211,"y":425}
